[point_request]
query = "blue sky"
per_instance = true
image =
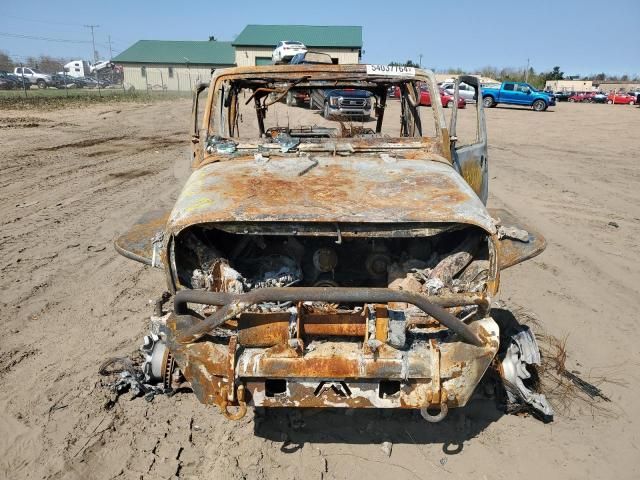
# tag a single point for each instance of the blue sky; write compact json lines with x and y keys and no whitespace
{"x":582,"y":37}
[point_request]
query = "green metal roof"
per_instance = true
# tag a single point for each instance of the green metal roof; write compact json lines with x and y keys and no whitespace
{"x":310,"y":35}
{"x":182,"y":52}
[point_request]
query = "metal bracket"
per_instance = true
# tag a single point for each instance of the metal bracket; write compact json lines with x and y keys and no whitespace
{"x":434,"y":394}
{"x":231,"y":368}
{"x":228,"y":392}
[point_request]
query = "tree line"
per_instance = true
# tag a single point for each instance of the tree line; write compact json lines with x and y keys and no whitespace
{"x":46,"y":63}
{"x":537,"y":79}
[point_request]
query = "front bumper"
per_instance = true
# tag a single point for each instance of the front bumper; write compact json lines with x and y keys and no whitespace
{"x":351,"y":359}
{"x":350,"y":112}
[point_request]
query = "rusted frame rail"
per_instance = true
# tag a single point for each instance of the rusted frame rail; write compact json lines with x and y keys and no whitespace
{"x":233,"y":304}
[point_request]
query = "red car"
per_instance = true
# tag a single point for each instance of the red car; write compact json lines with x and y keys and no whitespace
{"x":578,"y":97}
{"x":582,"y":97}
{"x":621,"y":98}
{"x":446,"y":99}
{"x":425,"y":98}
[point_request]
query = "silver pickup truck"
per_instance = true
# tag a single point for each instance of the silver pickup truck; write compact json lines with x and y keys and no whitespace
{"x":33,"y":76}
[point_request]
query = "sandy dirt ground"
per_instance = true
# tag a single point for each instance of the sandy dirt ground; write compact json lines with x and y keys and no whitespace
{"x":72,"y":180}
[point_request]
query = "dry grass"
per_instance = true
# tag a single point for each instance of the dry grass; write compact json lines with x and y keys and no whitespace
{"x":569,"y":391}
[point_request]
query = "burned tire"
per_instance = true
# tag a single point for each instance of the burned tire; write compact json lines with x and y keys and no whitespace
{"x":539,"y":105}
{"x":488,"y":102}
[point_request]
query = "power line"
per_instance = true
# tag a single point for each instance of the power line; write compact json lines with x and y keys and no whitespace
{"x":47,"y":39}
{"x":49,"y":22}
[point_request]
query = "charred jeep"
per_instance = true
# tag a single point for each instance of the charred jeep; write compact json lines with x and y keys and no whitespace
{"x":316,"y":263}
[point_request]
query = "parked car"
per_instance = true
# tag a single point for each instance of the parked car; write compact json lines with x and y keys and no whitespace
{"x":34,"y":76}
{"x":91,"y":82}
{"x":311,"y":58}
{"x":10,"y":81}
{"x":621,"y":99}
{"x":636,"y":93}
{"x":63,"y":81}
{"x":562,"y":96}
{"x":425,"y":97}
{"x":598,"y":97}
{"x":286,"y":50}
{"x":342,"y":103}
{"x":6,"y":84}
{"x":517,"y":93}
{"x":578,"y":97}
{"x":467,"y":92}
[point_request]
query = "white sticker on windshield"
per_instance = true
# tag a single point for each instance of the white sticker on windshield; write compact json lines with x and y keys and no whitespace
{"x":391,"y":70}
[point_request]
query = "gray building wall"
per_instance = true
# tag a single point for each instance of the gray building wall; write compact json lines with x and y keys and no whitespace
{"x":177,"y":77}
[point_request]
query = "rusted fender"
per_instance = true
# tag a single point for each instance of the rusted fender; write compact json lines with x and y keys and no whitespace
{"x":511,"y":251}
{"x":137,"y":242}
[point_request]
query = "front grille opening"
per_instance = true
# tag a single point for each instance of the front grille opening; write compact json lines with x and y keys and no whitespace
{"x":275,"y":387}
{"x":389,"y":388}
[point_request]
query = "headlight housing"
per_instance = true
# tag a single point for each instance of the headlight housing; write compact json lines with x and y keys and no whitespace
{"x":333,"y":101}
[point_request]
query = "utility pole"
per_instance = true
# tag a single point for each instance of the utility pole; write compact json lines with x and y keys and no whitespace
{"x":420,"y":62}
{"x":24,"y":87}
{"x":110,"y":51}
{"x":95,"y":54}
{"x":526,"y":73}
{"x":93,"y":42}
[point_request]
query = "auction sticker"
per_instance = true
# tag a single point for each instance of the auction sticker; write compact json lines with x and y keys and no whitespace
{"x":391,"y":70}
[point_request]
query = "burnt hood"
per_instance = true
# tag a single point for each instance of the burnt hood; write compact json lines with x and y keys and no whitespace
{"x":331,"y":189}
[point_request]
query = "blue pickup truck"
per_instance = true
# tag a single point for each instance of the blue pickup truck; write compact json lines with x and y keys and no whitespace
{"x":517,"y":93}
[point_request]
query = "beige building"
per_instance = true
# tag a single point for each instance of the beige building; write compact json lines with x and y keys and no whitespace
{"x":255,"y":43}
{"x":172,"y":65}
{"x":619,"y":86}
{"x":569,"y":85}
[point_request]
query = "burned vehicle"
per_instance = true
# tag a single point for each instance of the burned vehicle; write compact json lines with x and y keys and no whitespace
{"x":318,"y":263}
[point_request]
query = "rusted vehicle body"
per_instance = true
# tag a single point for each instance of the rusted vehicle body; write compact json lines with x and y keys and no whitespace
{"x":335,"y":265}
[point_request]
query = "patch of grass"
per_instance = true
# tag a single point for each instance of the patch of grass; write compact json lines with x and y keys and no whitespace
{"x":53,"y":99}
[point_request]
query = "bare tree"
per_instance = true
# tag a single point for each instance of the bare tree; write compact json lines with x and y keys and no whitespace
{"x":5,"y":62}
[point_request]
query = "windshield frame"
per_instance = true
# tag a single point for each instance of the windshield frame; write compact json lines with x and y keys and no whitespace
{"x":341,"y":75}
